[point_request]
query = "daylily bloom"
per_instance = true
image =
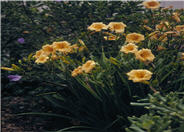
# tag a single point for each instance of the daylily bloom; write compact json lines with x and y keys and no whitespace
{"x":139,"y":75}
{"x":62,"y":46}
{"x":144,"y":55}
{"x":97,"y":26}
{"x":42,"y":59}
{"x":129,"y":48}
{"x":117,"y":27}
{"x":38,"y":54}
{"x":88,"y":66}
{"x":48,"y":49}
{"x":152,"y":4}
{"x":77,"y":71}
{"x":134,"y":38}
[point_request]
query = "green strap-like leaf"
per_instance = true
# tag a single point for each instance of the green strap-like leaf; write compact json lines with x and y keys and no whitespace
{"x":47,"y":114}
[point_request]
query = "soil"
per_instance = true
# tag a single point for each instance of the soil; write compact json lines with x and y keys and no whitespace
{"x":10,"y":122}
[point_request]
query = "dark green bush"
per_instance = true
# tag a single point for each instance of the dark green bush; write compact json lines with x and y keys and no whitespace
{"x":40,"y":23}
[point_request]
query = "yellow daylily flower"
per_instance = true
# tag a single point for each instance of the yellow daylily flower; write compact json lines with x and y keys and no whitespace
{"x":139,"y":75}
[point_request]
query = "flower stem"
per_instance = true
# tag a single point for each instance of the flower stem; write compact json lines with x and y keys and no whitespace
{"x":153,"y":89}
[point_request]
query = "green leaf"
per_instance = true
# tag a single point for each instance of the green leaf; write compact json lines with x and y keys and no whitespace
{"x":47,"y":114}
{"x":88,"y":88}
{"x":74,"y":127}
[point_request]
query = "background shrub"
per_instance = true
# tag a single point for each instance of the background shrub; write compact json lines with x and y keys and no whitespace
{"x":40,"y":23}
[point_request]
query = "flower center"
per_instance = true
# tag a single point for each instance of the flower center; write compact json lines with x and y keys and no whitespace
{"x":140,"y":75}
{"x":38,"y":53}
{"x":61,"y":46}
{"x":117,"y":26}
{"x":87,"y":65}
{"x":49,"y":49}
{"x":144,"y":55}
{"x":135,"y":37}
{"x":130,"y":47}
{"x":98,"y":26}
{"x":42,"y":58}
{"x":152,"y":4}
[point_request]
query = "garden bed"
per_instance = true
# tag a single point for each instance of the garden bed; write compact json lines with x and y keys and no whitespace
{"x":92,"y":66}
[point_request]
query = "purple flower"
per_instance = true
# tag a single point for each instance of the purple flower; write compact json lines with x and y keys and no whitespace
{"x":14,"y":78}
{"x":21,"y":40}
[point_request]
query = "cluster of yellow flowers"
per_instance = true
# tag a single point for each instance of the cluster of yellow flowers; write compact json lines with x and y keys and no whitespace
{"x":85,"y":68}
{"x":63,"y":47}
{"x":164,"y":29}
{"x":117,"y":27}
{"x":144,"y":55}
{"x":164,"y":25}
{"x":142,"y":75}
